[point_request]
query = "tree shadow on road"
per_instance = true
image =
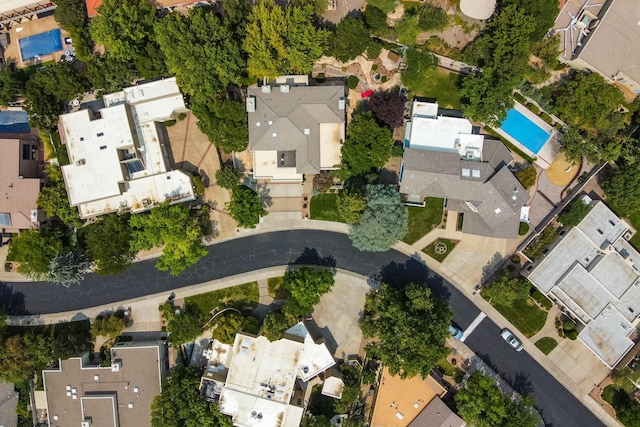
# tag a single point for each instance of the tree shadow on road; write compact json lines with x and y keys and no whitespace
{"x":310,"y":256}
{"x":398,"y":275}
{"x":12,"y":302}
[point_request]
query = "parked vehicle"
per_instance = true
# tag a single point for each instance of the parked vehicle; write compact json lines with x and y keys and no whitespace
{"x":511,"y":339}
{"x":455,"y":332}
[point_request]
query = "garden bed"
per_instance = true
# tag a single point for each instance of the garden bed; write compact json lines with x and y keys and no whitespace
{"x":440,"y":249}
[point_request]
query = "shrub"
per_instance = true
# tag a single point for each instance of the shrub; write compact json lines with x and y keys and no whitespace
{"x":568,"y":326}
{"x":572,"y":335}
{"x":558,"y":126}
{"x":539,"y":244}
{"x":320,"y":77}
{"x":547,"y":118}
{"x":383,"y":79}
{"x":197,"y":182}
{"x":374,"y":67}
{"x":518,"y":97}
{"x":515,"y":258}
{"x":352,"y":82}
{"x":527,"y":177}
{"x":608,"y":393}
{"x":228,"y":177}
{"x":524,"y":229}
{"x":169,"y":123}
{"x":322,"y":181}
{"x":397,"y":150}
{"x":533,"y":108}
{"x":574,"y":213}
{"x":374,"y":49}
{"x":182,"y":116}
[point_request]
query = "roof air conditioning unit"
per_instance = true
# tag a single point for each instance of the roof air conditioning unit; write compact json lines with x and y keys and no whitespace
{"x":284,"y":89}
{"x":251,"y":104}
{"x":86,"y":423}
{"x":116,"y":366}
{"x":341,"y":104}
{"x":266,"y":89}
{"x":81,"y":162}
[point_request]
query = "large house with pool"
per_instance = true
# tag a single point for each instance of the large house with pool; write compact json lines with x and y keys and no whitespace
{"x":445,"y":156}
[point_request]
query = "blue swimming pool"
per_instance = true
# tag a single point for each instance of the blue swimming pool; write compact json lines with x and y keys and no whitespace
{"x":14,"y":122}
{"x":524,"y":131}
{"x":40,"y":44}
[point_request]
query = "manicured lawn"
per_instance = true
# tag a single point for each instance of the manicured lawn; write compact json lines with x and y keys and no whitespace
{"x":275,"y":288}
{"x":525,"y":315}
{"x":325,"y":207}
{"x":542,"y":300}
{"x":546,"y":344}
{"x":634,"y":218}
{"x":423,"y":220}
{"x":433,"y":253}
{"x":439,"y":84}
{"x":247,"y":293}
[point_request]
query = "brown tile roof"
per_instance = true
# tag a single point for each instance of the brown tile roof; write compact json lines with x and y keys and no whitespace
{"x":17,"y":195}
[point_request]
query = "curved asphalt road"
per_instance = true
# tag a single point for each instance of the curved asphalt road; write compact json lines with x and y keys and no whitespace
{"x":557,"y":406}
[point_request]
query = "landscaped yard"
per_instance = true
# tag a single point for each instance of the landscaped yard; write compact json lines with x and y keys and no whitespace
{"x":525,"y":315}
{"x":634,"y":218}
{"x":423,"y":220}
{"x":275,"y":288}
{"x":325,"y":207}
{"x":546,"y":344}
{"x":440,"y":248}
{"x":247,"y":293}
{"x":439,"y":84}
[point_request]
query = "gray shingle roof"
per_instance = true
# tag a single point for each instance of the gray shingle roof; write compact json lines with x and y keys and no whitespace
{"x":8,"y":403}
{"x":491,"y":200}
{"x":291,"y":121}
{"x":437,"y":414}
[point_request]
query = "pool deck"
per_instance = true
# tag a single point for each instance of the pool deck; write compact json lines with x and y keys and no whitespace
{"x":548,"y":151}
{"x":26,"y":29}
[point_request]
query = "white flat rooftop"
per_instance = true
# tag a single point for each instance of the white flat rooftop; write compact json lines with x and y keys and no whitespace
{"x":608,"y":336}
{"x":440,"y":133}
{"x":117,"y":158}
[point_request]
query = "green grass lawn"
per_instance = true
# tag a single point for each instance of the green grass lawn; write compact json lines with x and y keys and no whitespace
{"x":546,"y":344}
{"x":431,"y":249}
{"x":542,"y":300}
{"x":439,"y":84}
{"x":634,"y":218}
{"x":525,"y":315}
{"x":423,"y":220}
{"x":247,"y":293}
{"x":325,"y":207}
{"x":275,"y":288}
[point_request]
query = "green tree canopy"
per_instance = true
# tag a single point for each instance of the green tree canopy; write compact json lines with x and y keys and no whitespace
{"x":544,"y":11}
{"x":108,"y":242}
{"x":124,"y":27}
{"x":351,"y":204}
{"x":68,"y":268}
{"x":275,"y":323}
{"x":201,"y":50}
{"x":34,"y":250}
{"x":409,"y":327}
{"x":368,"y":146}
{"x":481,"y":404}
{"x":418,"y":63}
{"x":527,"y":176}
{"x":226,"y":327}
{"x":505,"y":290}
{"x":48,"y":89}
{"x":350,"y":39}
{"x":306,"y":286}
{"x":54,"y":201}
{"x":228,"y":177}
{"x":109,"y":74}
{"x":110,"y":326}
{"x":383,"y":222}
{"x":587,"y":101}
{"x":388,"y":107}
{"x":375,"y":19}
{"x":574,"y":213}
{"x":282,"y":41}
{"x":12,"y":83}
{"x":71,"y":13}
{"x":622,"y":188}
{"x":245,"y":207}
{"x":384,"y":5}
{"x":183,"y":324}
{"x":223,"y":120}
{"x":177,"y":229}
{"x":181,"y":405}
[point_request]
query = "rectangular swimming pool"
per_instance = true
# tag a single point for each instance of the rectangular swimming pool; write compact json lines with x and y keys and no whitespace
{"x":523,"y":130}
{"x":40,"y":44}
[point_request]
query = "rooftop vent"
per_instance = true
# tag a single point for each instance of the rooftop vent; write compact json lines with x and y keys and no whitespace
{"x":266,"y":89}
{"x":274,"y":134}
{"x":497,"y":211}
{"x":116,"y":366}
{"x":342,"y":104}
{"x":81,"y":162}
{"x":307,"y":131}
{"x":251,"y":104}
{"x":284,"y":89}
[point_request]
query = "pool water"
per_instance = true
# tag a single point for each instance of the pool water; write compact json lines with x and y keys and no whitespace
{"x":40,"y":45}
{"x":524,"y":131}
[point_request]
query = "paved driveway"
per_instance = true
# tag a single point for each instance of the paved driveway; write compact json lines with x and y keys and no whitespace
{"x":557,"y":405}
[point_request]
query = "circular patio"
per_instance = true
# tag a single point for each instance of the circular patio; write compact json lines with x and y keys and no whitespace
{"x":478,"y":9}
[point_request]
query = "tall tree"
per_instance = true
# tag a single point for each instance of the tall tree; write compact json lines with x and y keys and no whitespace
{"x":228,"y":177}
{"x":408,"y":327}
{"x":108,"y":242}
{"x":574,"y":213}
{"x":367,"y":147}
{"x":184,"y":324}
{"x":223,"y":120}
{"x":124,"y":27}
{"x":622,"y":188}
{"x":351,"y":204}
{"x":34,"y":250}
{"x":68,"y":268}
{"x":306,"y":286}
{"x":350,"y":40}
{"x":387,"y":107}
{"x":71,"y":13}
{"x":54,"y":200}
{"x":544,"y":11}
{"x":280,"y":41}
{"x":109,"y":74}
{"x":174,"y":227}
{"x":383,"y":222}
{"x":12,"y":83}
{"x":505,"y":290}
{"x":181,"y":405}
{"x":481,"y":404}
{"x":245,"y":207}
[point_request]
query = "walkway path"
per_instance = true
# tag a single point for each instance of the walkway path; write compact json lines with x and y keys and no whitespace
{"x":549,"y":328}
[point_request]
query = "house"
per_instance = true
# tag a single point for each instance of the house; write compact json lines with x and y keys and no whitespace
{"x":8,"y":403}
{"x":437,"y":414}
{"x":295,"y":129}
{"x":602,"y":36}
{"x":13,"y":12}
{"x":79,"y":393}
{"x":20,"y":180}
{"x":118,"y":155}
{"x":445,"y":157}
{"x":259,"y":382}
{"x":399,"y":401}
{"x":593,"y":274}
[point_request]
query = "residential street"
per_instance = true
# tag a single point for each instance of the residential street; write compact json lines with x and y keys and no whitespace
{"x":557,"y":405}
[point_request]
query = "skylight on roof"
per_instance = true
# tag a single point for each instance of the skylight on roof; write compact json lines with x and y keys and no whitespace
{"x":466,"y":172}
{"x":135,"y":166}
{"x":5,"y":220}
{"x":475,"y":173}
